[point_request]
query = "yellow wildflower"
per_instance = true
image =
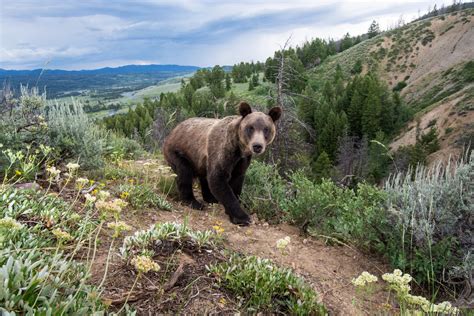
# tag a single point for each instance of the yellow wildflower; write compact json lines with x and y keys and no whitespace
{"x":11,"y":224}
{"x":18,"y":172}
{"x":124,"y":195}
{"x":61,"y":235}
{"x":144,"y":264}
{"x":218,"y":229}
{"x":119,"y":227}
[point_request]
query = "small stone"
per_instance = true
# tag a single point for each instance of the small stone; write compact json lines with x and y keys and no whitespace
{"x":305,"y":241}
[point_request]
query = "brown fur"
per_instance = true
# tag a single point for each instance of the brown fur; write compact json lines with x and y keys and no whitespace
{"x":218,"y":152}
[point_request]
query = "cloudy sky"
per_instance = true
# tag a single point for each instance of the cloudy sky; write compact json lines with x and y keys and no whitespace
{"x":86,"y":34}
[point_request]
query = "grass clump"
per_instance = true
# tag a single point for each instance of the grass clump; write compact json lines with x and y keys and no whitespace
{"x":143,"y":196}
{"x":265,"y":287}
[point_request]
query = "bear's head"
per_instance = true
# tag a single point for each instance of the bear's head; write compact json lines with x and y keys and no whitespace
{"x":257,"y":129}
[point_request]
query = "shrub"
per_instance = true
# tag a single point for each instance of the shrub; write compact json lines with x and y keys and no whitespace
{"x":467,"y":72}
{"x":346,"y":214}
{"x":75,"y":135}
{"x":22,"y":122}
{"x":429,"y":214}
{"x":399,"y":86}
{"x":263,"y":190}
{"x":119,"y":147}
{"x":266,"y":287}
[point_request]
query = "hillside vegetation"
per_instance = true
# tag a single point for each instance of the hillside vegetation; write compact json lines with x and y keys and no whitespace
{"x":90,"y":220}
{"x":431,"y":63}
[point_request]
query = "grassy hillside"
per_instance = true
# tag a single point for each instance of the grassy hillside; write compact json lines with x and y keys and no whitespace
{"x":430,"y":63}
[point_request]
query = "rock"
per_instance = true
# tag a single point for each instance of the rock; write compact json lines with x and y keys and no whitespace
{"x":27,"y":186}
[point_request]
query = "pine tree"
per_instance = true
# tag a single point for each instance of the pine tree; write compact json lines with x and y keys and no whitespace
{"x":255,"y":80}
{"x":374,"y":29}
{"x":371,"y":111}
{"x":355,"y":108}
{"x":357,"y":69}
{"x":346,"y":42}
{"x":228,"y":82}
{"x":322,"y":167}
{"x":251,"y":86}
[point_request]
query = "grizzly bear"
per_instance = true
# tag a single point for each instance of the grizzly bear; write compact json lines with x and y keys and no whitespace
{"x":218,"y":153}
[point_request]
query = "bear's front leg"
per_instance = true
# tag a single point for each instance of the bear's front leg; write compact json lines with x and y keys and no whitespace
{"x":220,"y":188}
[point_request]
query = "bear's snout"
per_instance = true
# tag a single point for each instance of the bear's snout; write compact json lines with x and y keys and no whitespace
{"x":257,"y":148}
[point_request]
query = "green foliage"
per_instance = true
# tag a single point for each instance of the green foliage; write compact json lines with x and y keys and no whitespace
{"x":214,"y":79}
{"x":22,"y":122}
{"x":399,"y":86}
{"x":243,"y":71}
{"x":263,"y":191}
{"x":467,"y":71}
{"x":346,"y":214}
{"x":136,"y":123}
{"x":37,"y":284}
{"x":374,"y":29}
{"x":266,"y":287}
{"x":322,"y":167}
{"x":143,"y":196}
{"x":357,"y":69}
{"x":416,"y":154}
{"x":36,"y":277}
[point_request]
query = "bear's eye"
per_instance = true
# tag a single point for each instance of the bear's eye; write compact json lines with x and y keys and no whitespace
{"x":249,"y":129}
{"x":266,"y":131}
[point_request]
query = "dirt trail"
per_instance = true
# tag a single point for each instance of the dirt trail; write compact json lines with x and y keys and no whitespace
{"x":328,"y":268}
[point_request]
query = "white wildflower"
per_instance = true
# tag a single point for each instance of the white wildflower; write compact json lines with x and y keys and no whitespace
{"x":364,"y":279}
{"x":283,"y":242}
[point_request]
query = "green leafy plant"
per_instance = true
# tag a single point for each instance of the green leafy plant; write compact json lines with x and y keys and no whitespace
{"x":264,"y":287}
{"x":263,"y":190}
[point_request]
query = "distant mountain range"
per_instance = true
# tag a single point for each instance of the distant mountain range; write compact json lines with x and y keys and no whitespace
{"x":127,"y":69}
{"x":110,"y":81}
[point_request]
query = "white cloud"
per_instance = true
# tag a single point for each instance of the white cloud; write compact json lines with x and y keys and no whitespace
{"x":85,"y":34}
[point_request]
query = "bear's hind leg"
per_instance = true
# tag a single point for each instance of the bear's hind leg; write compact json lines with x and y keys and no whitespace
{"x":206,"y":192}
{"x":184,"y":179}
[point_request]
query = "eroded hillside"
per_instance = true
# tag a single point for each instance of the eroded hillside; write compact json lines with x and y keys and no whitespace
{"x":431,"y":63}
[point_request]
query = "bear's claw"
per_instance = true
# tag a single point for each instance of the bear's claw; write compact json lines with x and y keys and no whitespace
{"x":196,"y":205}
{"x":241,"y":221}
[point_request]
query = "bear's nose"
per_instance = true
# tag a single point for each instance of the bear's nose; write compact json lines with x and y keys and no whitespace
{"x":257,"y":148}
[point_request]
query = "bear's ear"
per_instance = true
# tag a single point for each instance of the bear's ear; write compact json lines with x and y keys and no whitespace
{"x":275,"y":113}
{"x":244,"y":109}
